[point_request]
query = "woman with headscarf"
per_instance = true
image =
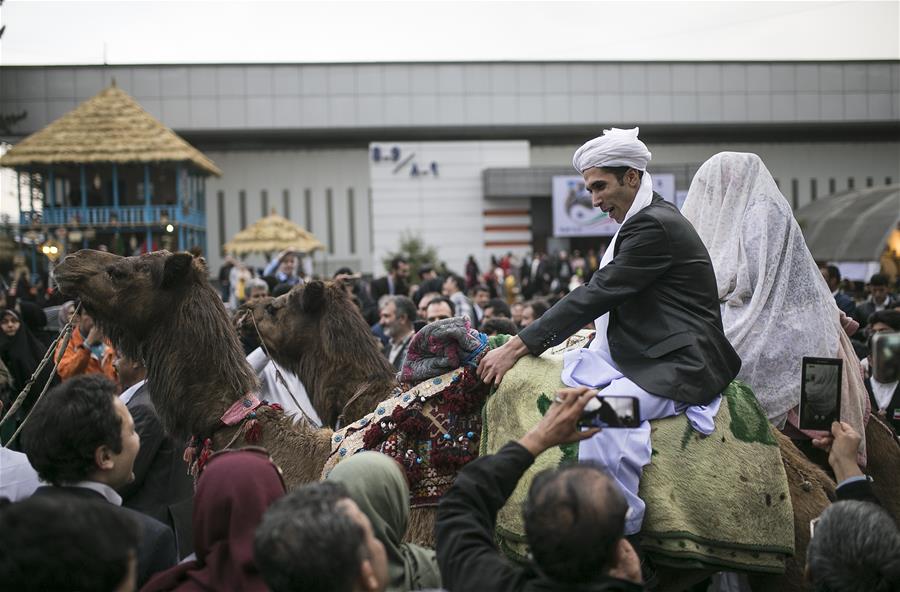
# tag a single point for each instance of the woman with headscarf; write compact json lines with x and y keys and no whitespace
{"x":776,"y":307}
{"x":378,"y":486}
{"x":234,"y":489}
{"x":21,"y":353}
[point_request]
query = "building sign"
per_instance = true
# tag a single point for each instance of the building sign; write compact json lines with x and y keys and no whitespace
{"x":403,"y":162}
{"x":573,"y":213}
{"x":664,"y":185}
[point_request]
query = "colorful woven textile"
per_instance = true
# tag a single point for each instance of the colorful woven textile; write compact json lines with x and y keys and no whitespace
{"x":717,"y":502}
{"x":441,"y":347}
{"x":432,"y":430}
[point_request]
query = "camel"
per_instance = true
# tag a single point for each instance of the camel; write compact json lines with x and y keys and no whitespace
{"x":345,"y":379}
{"x":160,"y":308}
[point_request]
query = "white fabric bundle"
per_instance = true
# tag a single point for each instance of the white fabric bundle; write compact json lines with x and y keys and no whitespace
{"x":616,"y":147}
{"x":776,"y":308}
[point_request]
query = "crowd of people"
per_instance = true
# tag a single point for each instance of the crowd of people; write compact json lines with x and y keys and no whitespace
{"x":94,"y":494}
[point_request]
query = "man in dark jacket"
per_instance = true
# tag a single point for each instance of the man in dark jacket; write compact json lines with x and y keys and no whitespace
{"x":81,"y":439}
{"x":162,"y":487}
{"x":655,"y":304}
{"x":574,"y":518}
{"x":393,"y":284}
{"x":855,"y":546}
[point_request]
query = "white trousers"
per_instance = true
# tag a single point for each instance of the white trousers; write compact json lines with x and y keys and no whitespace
{"x":623,"y":452}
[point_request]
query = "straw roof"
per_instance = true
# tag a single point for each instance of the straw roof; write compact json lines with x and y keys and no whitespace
{"x":110,"y":127}
{"x":270,"y":234}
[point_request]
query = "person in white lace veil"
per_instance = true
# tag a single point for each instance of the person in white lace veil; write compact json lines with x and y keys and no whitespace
{"x":776,"y":307}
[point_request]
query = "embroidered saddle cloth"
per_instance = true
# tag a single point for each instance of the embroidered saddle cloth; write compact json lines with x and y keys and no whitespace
{"x":719,"y":502}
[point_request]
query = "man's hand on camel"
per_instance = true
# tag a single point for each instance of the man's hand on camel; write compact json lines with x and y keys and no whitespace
{"x":842,"y":446}
{"x":560,"y":424}
{"x":497,"y":362}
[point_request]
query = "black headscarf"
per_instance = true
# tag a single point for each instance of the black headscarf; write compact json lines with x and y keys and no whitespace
{"x":22,"y":353}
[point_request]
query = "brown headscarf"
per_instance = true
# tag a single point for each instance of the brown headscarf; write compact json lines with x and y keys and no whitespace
{"x":233,"y":492}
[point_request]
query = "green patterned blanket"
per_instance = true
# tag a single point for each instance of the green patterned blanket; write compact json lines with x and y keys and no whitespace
{"x":719,"y":502}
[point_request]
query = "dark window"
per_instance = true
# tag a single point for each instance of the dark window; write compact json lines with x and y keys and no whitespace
{"x":329,"y":217}
{"x":286,"y":198}
{"x":795,"y":193}
{"x":307,"y":207}
{"x":832,"y":186}
{"x":220,"y":202}
{"x":351,"y":218}
{"x":850,"y":182}
{"x":813,"y":189}
{"x":870,"y":181}
{"x":242,"y":209}
{"x":887,"y":180}
{"x":264,"y":202}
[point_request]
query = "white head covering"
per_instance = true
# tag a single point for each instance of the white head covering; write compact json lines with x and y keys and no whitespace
{"x":776,"y":307}
{"x":616,"y":147}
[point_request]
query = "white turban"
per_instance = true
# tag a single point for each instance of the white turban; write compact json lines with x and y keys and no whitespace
{"x":616,"y":147}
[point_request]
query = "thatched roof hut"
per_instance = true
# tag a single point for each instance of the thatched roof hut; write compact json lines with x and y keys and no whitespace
{"x":111,"y":127}
{"x":272,"y":234}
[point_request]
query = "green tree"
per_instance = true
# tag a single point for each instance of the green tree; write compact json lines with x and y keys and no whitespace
{"x":416,"y":252}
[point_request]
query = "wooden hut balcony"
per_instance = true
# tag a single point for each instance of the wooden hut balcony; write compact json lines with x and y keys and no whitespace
{"x":115,"y":216}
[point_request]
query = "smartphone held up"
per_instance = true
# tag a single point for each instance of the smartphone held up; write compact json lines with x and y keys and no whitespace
{"x":820,"y":393}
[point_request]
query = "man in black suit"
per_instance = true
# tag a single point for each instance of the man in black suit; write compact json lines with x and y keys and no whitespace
{"x":879,"y":299}
{"x":655,"y":302}
{"x":394,"y":283}
{"x":856,"y":545}
{"x":162,"y":487}
{"x":81,"y":439}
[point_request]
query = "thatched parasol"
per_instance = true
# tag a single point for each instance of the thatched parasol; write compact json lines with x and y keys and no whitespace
{"x":110,"y":127}
{"x":272,"y":234}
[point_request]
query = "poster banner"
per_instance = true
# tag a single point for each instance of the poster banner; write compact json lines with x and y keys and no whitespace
{"x":664,"y":185}
{"x":573,"y":214}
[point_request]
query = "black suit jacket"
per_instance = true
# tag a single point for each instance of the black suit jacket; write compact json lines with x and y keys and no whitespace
{"x":665,"y":328}
{"x":380,"y":287}
{"x":156,"y":547}
{"x":860,"y":490}
{"x":161,"y":479}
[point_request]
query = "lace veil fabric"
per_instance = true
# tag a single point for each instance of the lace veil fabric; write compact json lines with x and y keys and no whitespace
{"x":776,"y":307}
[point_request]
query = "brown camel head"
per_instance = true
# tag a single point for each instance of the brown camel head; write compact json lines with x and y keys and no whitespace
{"x":127,"y":296}
{"x":160,"y":308}
{"x":317,"y":332}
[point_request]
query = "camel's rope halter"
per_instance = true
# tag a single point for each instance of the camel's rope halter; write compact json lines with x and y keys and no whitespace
{"x":65,"y":334}
{"x":278,"y":374}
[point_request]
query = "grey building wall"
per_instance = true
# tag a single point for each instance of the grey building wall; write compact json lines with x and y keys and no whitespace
{"x":363,"y":97}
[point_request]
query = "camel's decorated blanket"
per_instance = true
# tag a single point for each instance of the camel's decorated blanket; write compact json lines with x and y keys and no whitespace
{"x":717,"y":502}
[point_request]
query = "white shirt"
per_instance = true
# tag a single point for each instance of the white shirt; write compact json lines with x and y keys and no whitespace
{"x":398,"y":347}
{"x":128,"y":393}
{"x":102,"y":488}
{"x":272,"y":389}
{"x":18,"y":479}
{"x":883,"y":393}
